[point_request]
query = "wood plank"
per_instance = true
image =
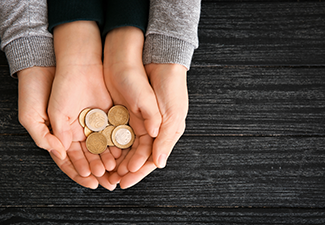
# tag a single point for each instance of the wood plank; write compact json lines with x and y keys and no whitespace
{"x":230,"y":100}
{"x":201,"y":172}
{"x":249,"y":100}
{"x":261,"y":33}
{"x":168,"y":215}
{"x":3,"y":59}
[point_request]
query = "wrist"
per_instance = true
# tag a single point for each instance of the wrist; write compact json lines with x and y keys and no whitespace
{"x":125,"y":44}
{"x":77,"y":42}
{"x":166,"y":69}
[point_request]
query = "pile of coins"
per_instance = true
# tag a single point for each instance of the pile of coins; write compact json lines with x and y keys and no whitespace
{"x":109,"y":129}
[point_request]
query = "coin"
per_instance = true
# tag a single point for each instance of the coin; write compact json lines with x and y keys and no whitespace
{"x":96,"y":120}
{"x":118,"y":115}
{"x":87,"y":131}
{"x":123,"y":136}
{"x":107,"y":132}
{"x":82,"y":116}
{"x":96,"y":143}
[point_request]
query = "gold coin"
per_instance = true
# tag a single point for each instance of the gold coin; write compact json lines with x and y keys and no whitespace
{"x":123,"y":136}
{"x":96,"y":143}
{"x":96,"y":120}
{"x":82,"y":116}
{"x":87,"y":131}
{"x":118,"y":115}
{"x":107,"y":132}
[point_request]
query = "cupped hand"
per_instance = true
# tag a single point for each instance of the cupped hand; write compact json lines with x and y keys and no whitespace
{"x":34,"y":90}
{"x":169,"y":84}
{"x":78,"y":84}
{"x":128,"y":85}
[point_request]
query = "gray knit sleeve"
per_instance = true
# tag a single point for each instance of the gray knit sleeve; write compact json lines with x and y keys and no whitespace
{"x":24,"y":35}
{"x":171,"y":35}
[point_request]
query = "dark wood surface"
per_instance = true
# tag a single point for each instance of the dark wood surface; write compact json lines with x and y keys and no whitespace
{"x":253,"y":151}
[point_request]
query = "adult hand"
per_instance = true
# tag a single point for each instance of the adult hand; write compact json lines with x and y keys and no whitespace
{"x":78,"y":84}
{"x":129,"y":179}
{"x":169,"y":84}
{"x":128,"y":85}
{"x":34,"y":90}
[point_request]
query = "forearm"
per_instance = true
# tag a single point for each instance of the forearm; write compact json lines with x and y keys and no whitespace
{"x":24,"y":35}
{"x":171,"y":36}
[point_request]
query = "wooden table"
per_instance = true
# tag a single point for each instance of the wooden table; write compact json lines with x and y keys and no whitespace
{"x":253,"y":151}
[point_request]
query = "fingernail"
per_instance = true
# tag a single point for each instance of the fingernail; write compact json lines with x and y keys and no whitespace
{"x":162,"y":160}
{"x":57,"y":154}
{"x":155,"y":132}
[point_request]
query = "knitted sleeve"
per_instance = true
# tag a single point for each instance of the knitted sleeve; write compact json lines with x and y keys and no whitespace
{"x":24,"y":35}
{"x":171,"y":35}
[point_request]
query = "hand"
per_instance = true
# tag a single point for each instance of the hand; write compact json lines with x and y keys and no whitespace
{"x":128,"y":85}
{"x":169,"y":84}
{"x":78,"y":84}
{"x":128,"y":179}
{"x":34,"y":90}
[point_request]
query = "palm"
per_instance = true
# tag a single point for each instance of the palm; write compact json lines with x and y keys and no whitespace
{"x":169,"y":84}
{"x":75,"y":88}
{"x":120,"y":88}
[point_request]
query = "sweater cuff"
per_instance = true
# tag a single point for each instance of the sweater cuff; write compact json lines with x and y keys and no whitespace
{"x":27,"y":52}
{"x":164,"y":49}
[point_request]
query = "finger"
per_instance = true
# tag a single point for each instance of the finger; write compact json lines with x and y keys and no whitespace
{"x":96,"y":165}
{"x":104,"y":181}
{"x":150,"y":112}
{"x":108,"y":160}
{"x":67,"y":167}
{"x":123,"y":166}
{"x":142,"y":153}
{"x":78,"y":159}
{"x":44,"y":139}
{"x":131,"y":179}
{"x":61,"y":128}
{"x":114,"y":178}
{"x":115,"y":151}
{"x":169,"y":134}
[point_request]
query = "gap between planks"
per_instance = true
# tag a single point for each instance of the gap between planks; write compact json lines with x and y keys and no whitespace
{"x":152,"y":207}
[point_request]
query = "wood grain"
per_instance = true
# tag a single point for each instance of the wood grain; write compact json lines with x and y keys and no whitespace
{"x":160,"y":215}
{"x":3,"y":60}
{"x":201,"y":172}
{"x":230,"y":100}
{"x":253,"y":150}
{"x":261,"y":33}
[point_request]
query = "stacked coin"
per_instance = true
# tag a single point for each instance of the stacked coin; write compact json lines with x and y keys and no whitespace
{"x":104,"y":130}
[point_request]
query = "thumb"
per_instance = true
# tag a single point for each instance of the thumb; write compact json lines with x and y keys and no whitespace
{"x":150,"y":113}
{"x":61,"y":128}
{"x":44,"y":139}
{"x":169,"y":134}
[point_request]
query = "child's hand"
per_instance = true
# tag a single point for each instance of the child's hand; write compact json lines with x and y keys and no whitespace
{"x":78,"y":84}
{"x":169,"y":84}
{"x":34,"y":91}
{"x":128,"y":85}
